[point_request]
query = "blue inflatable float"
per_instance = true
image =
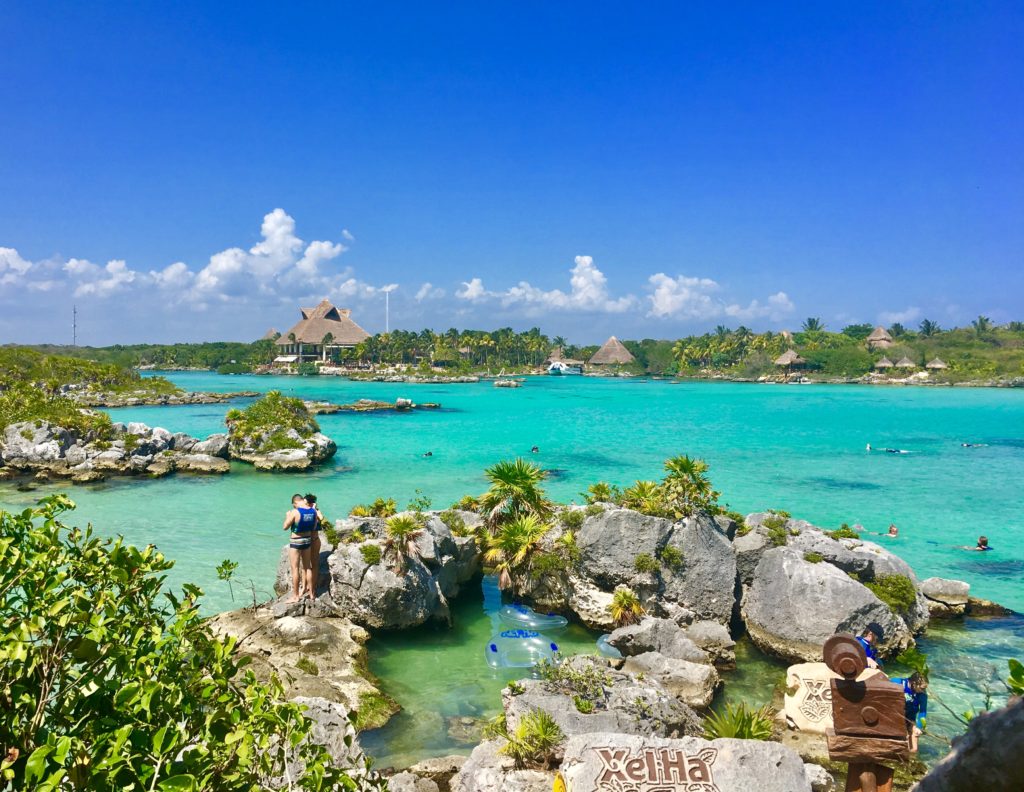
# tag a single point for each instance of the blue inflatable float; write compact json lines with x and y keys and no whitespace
{"x":529,"y":619}
{"x":519,"y":649}
{"x":606,"y":649}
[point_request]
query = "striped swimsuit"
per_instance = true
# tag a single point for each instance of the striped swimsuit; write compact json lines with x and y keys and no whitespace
{"x":302,"y":531}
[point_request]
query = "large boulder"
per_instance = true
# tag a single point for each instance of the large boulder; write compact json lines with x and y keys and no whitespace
{"x":33,"y":444}
{"x":705,"y":581}
{"x":628,"y":703}
{"x":283,"y":579}
{"x":987,"y":757}
{"x":600,"y":761}
{"x":715,"y":640}
{"x":214,"y":445}
{"x":694,"y":684}
{"x":793,"y":606}
{"x":609,"y":543}
{"x":946,"y":598}
{"x":201,"y":463}
{"x":657,"y":635}
{"x":488,"y":770}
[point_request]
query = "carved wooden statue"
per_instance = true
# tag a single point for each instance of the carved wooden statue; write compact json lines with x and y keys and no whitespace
{"x":870,"y":730}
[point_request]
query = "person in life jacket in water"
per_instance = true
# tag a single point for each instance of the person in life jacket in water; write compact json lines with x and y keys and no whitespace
{"x":915,"y":689}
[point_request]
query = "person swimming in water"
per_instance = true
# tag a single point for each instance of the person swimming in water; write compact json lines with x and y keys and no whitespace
{"x":429,"y":454}
{"x":982,"y":544}
{"x":535,"y":450}
{"x":893,"y":530}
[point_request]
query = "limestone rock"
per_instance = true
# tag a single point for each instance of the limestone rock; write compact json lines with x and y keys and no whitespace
{"x":987,"y":757}
{"x":202,"y":463}
{"x":749,"y":548}
{"x":692,"y":683}
{"x":946,"y":597}
{"x":32,"y":444}
{"x":609,"y":543}
{"x":793,"y":606}
{"x":590,"y":603}
{"x":409,"y":782}
{"x":602,"y":760}
{"x":819,"y":778}
{"x":487,"y":770}
{"x":705,"y":582}
{"x":657,"y":635}
{"x":214,"y":445}
{"x":715,"y":640}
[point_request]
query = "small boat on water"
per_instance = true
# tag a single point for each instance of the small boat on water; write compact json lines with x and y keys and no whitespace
{"x":560,"y":368}
{"x":528,"y":618}
{"x":519,"y":649}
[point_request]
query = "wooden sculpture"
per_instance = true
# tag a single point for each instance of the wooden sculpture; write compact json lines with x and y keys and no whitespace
{"x":870,"y":728}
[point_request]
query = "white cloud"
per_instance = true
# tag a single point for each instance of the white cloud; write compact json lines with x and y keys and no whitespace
{"x":346,"y":234}
{"x":101,"y":282}
{"x":910,"y":314}
{"x":429,"y":292}
{"x":685,"y":297}
{"x":12,"y":266}
{"x":588,"y":292}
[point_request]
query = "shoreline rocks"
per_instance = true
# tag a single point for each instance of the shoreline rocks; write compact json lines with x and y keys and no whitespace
{"x":147,"y":399}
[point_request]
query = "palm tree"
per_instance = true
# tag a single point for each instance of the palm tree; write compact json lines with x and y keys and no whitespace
{"x":897,"y":330}
{"x":510,"y":550}
{"x":625,"y":607}
{"x":982,"y":325}
{"x":402,"y":532}
{"x":328,"y":339}
{"x":515,"y":492}
{"x":686,"y":487}
{"x":813,"y":324}
{"x":929,"y":328}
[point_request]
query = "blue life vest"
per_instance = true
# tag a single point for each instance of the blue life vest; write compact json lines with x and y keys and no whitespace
{"x":307,"y":521}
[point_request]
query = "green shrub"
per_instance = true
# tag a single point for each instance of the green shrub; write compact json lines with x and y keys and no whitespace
{"x":813,"y":558}
{"x":234,"y":368}
{"x":26,"y":402}
{"x":467,"y":503}
{"x":307,"y":665}
{"x":584,"y":705}
{"x":113,"y":681}
{"x":601,"y":492}
{"x":739,"y":722}
{"x":371,"y":553}
{"x":307,"y":370}
{"x":534,"y":739}
{"x":419,"y":503}
{"x":777,"y":533}
{"x":545,"y":563}
{"x":646,"y":563}
{"x":263,"y":426}
{"x":381,"y":507}
{"x":571,"y":519}
{"x":516,"y":688}
{"x":594,"y":509}
{"x":896,"y":591}
{"x":742,"y":529}
{"x":455,"y":523}
{"x":587,"y":680}
{"x":843,"y":532}
{"x":671,"y":557}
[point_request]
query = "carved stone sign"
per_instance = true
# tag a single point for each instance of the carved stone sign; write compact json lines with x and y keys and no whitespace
{"x":808,"y":699}
{"x":605,"y":762}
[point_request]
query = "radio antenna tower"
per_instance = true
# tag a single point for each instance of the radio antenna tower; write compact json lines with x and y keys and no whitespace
{"x":74,"y":325}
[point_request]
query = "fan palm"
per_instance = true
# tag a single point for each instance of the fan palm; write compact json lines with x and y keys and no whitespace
{"x":625,"y":607}
{"x":813,"y":324}
{"x":402,"y":532}
{"x":511,"y":549}
{"x":686,"y":487}
{"x":645,"y":497}
{"x":515,"y":491}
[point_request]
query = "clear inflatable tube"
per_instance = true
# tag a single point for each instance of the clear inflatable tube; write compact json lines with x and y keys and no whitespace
{"x":519,"y":649}
{"x":606,"y":649}
{"x":529,"y":619}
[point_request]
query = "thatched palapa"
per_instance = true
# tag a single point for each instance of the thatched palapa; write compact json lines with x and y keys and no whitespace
{"x":611,"y":354}
{"x":321,"y":330}
{"x":879,"y":339}
{"x":905,"y":362}
{"x":884,"y":363}
{"x":789,"y":358}
{"x":937,"y":364}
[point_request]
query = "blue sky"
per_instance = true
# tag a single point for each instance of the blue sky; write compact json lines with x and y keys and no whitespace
{"x":194,"y":171}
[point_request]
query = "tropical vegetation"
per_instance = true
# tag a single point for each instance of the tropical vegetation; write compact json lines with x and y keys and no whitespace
{"x":740,"y":722}
{"x":515,"y":492}
{"x":625,"y":607}
{"x":273,"y":422}
{"x":111,"y":681}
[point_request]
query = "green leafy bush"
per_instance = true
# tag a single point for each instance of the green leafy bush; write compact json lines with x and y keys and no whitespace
{"x":234,"y":368}
{"x":22,"y":401}
{"x":813,"y":558}
{"x":645,"y":563}
{"x":571,"y":519}
{"x":844,"y":531}
{"x":1015,"y":682}
{"x":453,"y":520}
{"x":602,"y":492}
{"x":584,"y":705}
{"x":307,"y":665}
{"x":371,"y":553}
{"x":381,"y":507}
{"x":467,"y":503}
{"x":896,"y":591}
{"x":671,"y":557}
{"x":594,"y":509}
{"x":739,"y":722}
{"x":111,"y":681}
{"x":263,"y":426}
{"x":777,"y":533}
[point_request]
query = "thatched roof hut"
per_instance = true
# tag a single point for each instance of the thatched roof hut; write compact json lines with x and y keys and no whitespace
{"x":937,"y":364}
{"x":905,"y":362}
{"x":317,"y":322}
{"x":879,"y":338}
{"x":270,"y":335}
{"x":884,"y":363}
{"x":789,"y":358}
{"x":612,"y":353}
{"x":556,"y":354}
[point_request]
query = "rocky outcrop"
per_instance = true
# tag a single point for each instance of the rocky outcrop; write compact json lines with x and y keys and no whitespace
{"x":487,"y":769}
{"x":622,"y":761}
{"x":306,"y":452}
{"x":946,"y":598}
{"x":313,"y":657}
{"x":627,"y":703}
{"x":792,"y":606}
{"x":369,"y":585}
{"x":47,"y":451}
{"x":987,"y":757}
{"x":90,"y":398}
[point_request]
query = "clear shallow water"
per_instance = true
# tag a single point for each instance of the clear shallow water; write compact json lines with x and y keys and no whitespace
{"x":799,"y":448}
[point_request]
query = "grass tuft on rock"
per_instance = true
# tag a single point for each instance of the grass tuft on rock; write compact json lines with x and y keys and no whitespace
{"x":896,"y":591}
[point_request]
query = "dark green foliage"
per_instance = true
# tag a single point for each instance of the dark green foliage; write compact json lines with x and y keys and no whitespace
{"x":740,"y":723}
{"x":111,"y":681}
{"x":307,"y":370}
{"x":843,"y":532}
{"x":671,"y":557}
{"x":262,"y":426}
{"x":455,"y":523}
{"x":371,"y":553}
{"x":646,"y":563}
{"x":22,"y":401}
{"x":896,"y":591}
{"x":545,"y":563}
{"x":571,"y":519}
{"x":584,"y":705}
{"x":234,"y":368}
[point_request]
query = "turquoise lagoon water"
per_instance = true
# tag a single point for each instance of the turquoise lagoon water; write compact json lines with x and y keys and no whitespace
{"x":799,"y":448}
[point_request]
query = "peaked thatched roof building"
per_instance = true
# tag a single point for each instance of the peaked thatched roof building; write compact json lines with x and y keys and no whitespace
{"x":306,"y":340}
{"x":270,"y":335}
{"x":884,"y":363}
{"x":905,"y":362}
{"x":879,"y":339}
{"x":789,"y":358}
{"x":937,"y":364}
{"x":612,"y":353}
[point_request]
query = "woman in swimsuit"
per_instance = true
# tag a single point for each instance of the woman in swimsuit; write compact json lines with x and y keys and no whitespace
{"x":302,"y":521}
{"x":314,"y":547}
